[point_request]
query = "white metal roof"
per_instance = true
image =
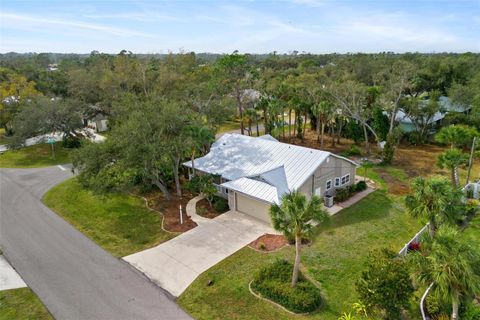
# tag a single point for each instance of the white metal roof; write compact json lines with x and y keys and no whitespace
{"x":235,"y":156}
{"x":261,"y":167}
{"x":254,"y":188}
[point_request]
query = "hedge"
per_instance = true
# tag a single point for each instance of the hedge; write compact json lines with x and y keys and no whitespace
{"x":274,"y":282}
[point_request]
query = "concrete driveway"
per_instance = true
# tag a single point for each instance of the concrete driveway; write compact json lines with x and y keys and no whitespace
{"x":175,"y":264}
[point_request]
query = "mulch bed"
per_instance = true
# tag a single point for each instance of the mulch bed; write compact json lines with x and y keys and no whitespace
{"x":206,"y":210}
{"x":170,"y":211}
{"x":269,"y":242}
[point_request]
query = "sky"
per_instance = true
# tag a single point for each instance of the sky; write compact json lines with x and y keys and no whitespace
{"x":314,"y":26}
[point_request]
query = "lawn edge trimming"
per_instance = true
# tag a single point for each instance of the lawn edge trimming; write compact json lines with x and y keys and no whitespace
{"x":156,"y":211}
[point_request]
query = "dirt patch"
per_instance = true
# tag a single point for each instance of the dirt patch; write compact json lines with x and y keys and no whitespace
{"x":311,"y":141}
{"x":418,"y":160}
{"x":269,"y":242}
{"x":205,"y":210}
{"x":394,"y":185}
{"x":171,"y":212}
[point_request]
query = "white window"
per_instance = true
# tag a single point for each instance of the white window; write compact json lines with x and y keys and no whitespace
{"x":346,"y":179}
{"x":318,"y":191}
{"x":329,"y":184}
{"x":337,"y":182}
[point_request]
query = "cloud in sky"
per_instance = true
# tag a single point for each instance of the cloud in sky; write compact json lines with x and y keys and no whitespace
{"x":317,"y":26}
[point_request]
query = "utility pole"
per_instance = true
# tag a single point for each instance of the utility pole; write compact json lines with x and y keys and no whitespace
{"x":470,"y":162}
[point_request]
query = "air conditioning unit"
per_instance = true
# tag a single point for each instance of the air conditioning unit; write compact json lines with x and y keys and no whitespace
{"x":328,"y":200}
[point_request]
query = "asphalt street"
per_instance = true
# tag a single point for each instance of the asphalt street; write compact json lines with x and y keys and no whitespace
{"x":73,"y":276}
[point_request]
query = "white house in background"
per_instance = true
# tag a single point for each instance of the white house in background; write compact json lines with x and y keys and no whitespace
{"x":446,"y":106}
{"x":98,"y":123}
{"x":256,"y":172}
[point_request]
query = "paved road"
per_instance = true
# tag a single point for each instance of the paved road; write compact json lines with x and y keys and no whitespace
{"x":74,"y":277}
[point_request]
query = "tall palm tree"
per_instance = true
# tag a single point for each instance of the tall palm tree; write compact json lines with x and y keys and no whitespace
{"x":435,"y":200}
{"x":295,"y":217}
{"x":452,"y":159}
{"x":324,"y":113}
{"x":249,"y":116}
{"x":452,"y":264}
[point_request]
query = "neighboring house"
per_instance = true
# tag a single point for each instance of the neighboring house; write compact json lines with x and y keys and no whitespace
{"x":256,"y":172}
{"x":98,"y":123}
{"x":446,"y":106}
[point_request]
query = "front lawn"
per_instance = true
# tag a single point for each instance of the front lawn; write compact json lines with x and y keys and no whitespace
{"x":119,"y":223}
{"x":22,"y":304}
{"x":335,"y":259}
{"x":3,"y":140}
{"x":39,"y":155}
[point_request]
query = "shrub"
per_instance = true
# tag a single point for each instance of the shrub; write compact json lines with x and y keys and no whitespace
{"x":342,"y":194}
{"x":220,"y":204}
{"x":472,"y":312}
{"x":273,"y":282}
{"x":71,"y":142}
{"x":436,"y":306}
{"x":352,"y":151}
{"x":361,"y":186}
{"x":414,"y":246}
{"x":385,"y":285}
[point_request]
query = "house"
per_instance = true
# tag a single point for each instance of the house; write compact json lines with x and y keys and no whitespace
{"x":99,"y":123}
{"x":446,"y":106}
{"x":255,"y":172}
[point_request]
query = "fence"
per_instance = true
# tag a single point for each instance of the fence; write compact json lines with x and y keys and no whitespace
{"x":404,"y":250}
{"x":403,"y":253}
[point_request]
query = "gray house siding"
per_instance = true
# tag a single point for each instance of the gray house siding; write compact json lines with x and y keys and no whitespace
{"x":332,"y":168}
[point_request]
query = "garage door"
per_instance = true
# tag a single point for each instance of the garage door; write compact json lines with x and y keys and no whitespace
{"x":255,"y":208}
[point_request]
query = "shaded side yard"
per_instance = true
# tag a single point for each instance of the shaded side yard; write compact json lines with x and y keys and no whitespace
{"x":335,"y":260}
{"x":34,"y":156}
{"x":121,"y":224}
{"x":22,"y":304}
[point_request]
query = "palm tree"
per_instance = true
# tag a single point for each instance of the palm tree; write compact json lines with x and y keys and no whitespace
{"x":452,"y":159}
{"x":249,"y":116}
{"x":435,"y":200}
{"x":295,"y":217}
{"x":456,"y":135}
{"x":324,"y":113}
{"x":451,"y":264}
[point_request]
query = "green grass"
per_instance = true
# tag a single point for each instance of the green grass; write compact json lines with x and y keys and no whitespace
{"x":335,"y":259}
{"x":119,"y":223}
{"x":39,"y":155}
{"x":472,"y":232}
{"x":397,"y":173}
{"x":3,"y":140}
{"x":228,"y":126}
{"x":22,"y":304}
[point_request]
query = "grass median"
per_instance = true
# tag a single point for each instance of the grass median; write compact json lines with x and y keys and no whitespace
{"x":36,"y":156}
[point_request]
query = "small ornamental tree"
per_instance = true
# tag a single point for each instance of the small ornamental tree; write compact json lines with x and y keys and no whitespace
{"x":452,"y":159}
{"x":385,"y":287}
